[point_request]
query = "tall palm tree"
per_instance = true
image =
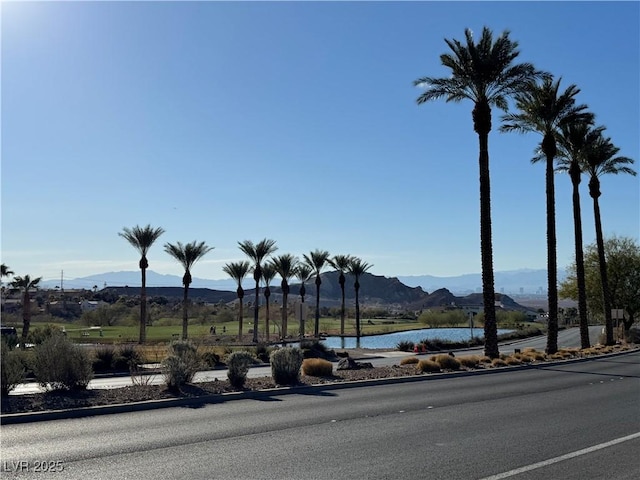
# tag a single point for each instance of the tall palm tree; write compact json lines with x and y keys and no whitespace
{"x":543,"y":110}
{"x":303,"y":273}
{"x":237,"y":271}
{"x":341,"y":264}
{"x":187,"y":255}
{"x":268,"y":272}
{"x":141,"y":238}
{"x":317,"y":260}
{"x":257,"y":253}
{"x":484,"y":73}
{"x":285,"y":265}
{"x":602,"y":159}
{"x":356,"y":268}
{"x":25,"y":285}
{"x":574,"y":141}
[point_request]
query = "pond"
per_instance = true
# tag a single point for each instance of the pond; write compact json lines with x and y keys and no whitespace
{"x":390,"y":340}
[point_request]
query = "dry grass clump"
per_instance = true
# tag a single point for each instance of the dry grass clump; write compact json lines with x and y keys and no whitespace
{"x":469,"y":361}
{"x":427,"y":366}
{"x":529,"y":350}
{"x":539,"y":356}
{"x":498,"y":362}
{"x":513,"y":361}
{"x":484,"y":359}
{"x":446,"y":362}
{"x":524,"y":358}
{"x":570,"y":352}
{"x":409,"y":361}
{"x":317,"y":367}
{"x":559,"y":356}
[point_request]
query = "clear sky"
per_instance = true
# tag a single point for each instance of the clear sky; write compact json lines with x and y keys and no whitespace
{"x":296,"y":121}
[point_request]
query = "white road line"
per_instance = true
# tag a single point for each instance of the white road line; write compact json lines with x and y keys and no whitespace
{"x":568,"y":456}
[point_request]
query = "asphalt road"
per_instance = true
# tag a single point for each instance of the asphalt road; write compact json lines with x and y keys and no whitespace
{"x":566,"y":338}
{"x":569,"y":421}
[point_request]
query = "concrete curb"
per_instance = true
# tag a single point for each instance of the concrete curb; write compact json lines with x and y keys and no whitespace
{"x":28,"y":417}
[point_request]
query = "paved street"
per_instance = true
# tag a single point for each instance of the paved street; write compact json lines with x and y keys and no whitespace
{"x":572,"y":421}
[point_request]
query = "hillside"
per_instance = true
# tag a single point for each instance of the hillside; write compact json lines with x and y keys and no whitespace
{"x":375,"y":290}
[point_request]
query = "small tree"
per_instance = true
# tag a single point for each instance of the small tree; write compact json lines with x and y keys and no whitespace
{"x":25,"y":285}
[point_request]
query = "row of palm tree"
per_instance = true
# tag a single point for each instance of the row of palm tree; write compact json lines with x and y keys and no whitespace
{"x":142,"y":238}
{"x":288,"y":266}
{"x":485,"y":73}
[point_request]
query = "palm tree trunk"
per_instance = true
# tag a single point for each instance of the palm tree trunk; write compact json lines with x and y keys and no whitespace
{"x":256,"y":312}
{"x":580,"y":275}
{"x":143,"y":306}
{"x":342,"y":309}
{"x":285,"y":308}
{"x":26,"y":317}
{"x":267,"y":294}
{"x":240,"y":315}
{"x":316,"y":330}
{"x":482,"y":126}
{"x":552,"y":268}
{"x":358,"y":333}
{"x":606,"y":302}
{"x":185,"y":312}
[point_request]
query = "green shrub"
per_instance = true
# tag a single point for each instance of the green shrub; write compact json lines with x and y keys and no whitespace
{"x":39,"y":334}
{"x":285,"y":365}
{"x":104,"y":358}
{"x":317,"y":367}
{"x":238,"y":364}
{"x":315,"y":349}
{"x":181,"y":364}
{"x":262,"y":352}
{"x":405,"y":346}
{"x":446,"y":362}
{"x":428,"y":366}
{"x":11,"y":369}
{"x":126,"y":355}
{"x":62,"y":365}
{"x":210,"y":359}
{"x":409,"y":361}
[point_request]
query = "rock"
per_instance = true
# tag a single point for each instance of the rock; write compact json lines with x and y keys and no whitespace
{"x":347,"y":363}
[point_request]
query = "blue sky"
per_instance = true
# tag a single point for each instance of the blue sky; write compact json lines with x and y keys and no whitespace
{"x":296,"y":121}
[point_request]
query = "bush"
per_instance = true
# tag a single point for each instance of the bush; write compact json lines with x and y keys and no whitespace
{"x":315,"y":349}
{"x":61,"y":365}
{"x":469,"y":361}
{"x":181,"y":364}
{"x":446,"y":362}
{"x":11,"y":369}
{"x":262,"y":352}
{"x":405,"y":346}
{"x":317,"y":367}
{"x":428,"y":366}
{"x":285,"y":366}
{"x":104,"y":358}
{"x":39,"y":334}
{"x":238,"y":364}
{"x":498,"y":362}
{"x":127,"y":355}
{"x":210,"y":359}
{"x":409,"y":361}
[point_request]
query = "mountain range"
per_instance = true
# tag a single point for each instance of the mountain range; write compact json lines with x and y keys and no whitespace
{"x":524,"y":281}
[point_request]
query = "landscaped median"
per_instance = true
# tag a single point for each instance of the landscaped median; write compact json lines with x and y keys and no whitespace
{"x":75,"y":404}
